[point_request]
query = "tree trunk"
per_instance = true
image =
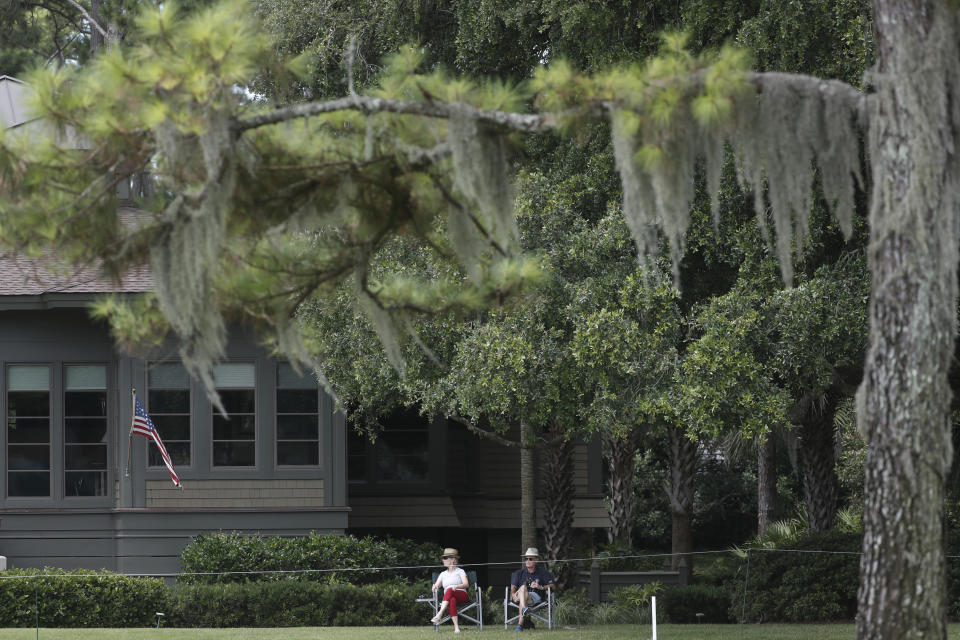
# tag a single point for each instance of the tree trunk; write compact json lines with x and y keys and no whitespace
{"x":766,"y":484}
{"x":904,"y":399}
{"x":528,"y":502}
{"x":97,"y":41}
{"x":557,"y":477}
{"x":818,"y":459}
{"x":684,"y":459}
{"x":620,"y":453}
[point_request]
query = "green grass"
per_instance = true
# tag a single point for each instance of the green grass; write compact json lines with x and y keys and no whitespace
{"x":612,"y":632}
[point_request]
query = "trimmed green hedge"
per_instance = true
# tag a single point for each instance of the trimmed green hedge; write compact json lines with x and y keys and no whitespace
{"x":86,"y":599}
{"x":290,"y":603}
{"x":810,"y":587}
{"x":219,"y":552}
{"x":682,"y":604}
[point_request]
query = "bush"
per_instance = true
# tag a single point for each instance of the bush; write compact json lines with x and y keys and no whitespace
{"x":289,"y":603}
{"x":330,"y":558}
{"x":815,"y":587}
{"x":682,"y":604}
{"x":84,"y":599}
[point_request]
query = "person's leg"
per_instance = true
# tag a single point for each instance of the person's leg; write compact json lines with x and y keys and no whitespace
{"x":443,"y":605}
{"x":522,"y":600}
{"x":458,"y":597}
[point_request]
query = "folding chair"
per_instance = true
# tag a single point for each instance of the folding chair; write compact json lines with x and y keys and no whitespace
{"x":546,"y":606}
{"x":474,"y":606}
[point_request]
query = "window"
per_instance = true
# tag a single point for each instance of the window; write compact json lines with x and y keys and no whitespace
{"x":298,"y":419}
{"x":234,"y":437}
{"x":399,"y":454}
{"x":168,"y":403}
{"x":28,"y":430}
{"x":85,"y":430}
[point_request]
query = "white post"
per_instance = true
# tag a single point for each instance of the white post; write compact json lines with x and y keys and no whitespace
{"x":653,"y":615}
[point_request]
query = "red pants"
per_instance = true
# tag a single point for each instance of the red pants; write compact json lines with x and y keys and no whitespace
{"x":454,"y":597}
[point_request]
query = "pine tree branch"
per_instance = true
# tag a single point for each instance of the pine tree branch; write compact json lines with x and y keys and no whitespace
{"x":805,"y":86}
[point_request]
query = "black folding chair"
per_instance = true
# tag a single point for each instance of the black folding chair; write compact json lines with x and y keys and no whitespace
{"x":545,"y":610}
{"x":472,"y":611}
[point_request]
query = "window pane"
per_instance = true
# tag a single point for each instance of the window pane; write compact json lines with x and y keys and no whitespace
{"x":86,"y":483}
{"x":172,"y":427}
{"x":28,"y":403}
{"x":402,"y":468}
{"x":402,"y":443}
{"x":287,"y":377}
{"x":28,"y":457}
{"x":86,"y":457}
{"x":357,"y":468}
{"x":297,"y":400}
{"x":234,"y":454}
{"x":170,"y":375}
{"x":179,"y":453}
{"x":234,"y":375}
{"x":299,"y":454}
{"x":85,"y":403}
{"x":28,"y":430}
{"x":85,"y":430}
{"x":298,"y":427}
{"x":169,"y":401}
{"x":28,"y":377}
{"x":28,"y":484}
{"x":236,"y":428}
{"x":84,"y":377}
{"x":238,"y":401}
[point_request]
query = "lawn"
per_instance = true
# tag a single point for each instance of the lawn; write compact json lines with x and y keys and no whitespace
{"x":613,"y":632}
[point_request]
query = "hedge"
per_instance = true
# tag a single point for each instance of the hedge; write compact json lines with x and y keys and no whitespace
{"x":290,"y":603}
{"x":83,"y":599}
{"x":784,"y":586}
{"x":218,"y":552}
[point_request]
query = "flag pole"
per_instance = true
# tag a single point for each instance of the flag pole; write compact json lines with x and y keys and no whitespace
{"x":133,"y":400}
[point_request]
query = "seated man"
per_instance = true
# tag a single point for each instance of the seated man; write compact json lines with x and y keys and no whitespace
{"x":528,"y":585}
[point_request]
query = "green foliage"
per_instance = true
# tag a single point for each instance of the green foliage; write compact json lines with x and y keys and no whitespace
{"x":324,"y":558}
{"x":680,"y":605}
{"x":785,"y":586}
{"x":79,"y":598}
{"x":290,"y":603}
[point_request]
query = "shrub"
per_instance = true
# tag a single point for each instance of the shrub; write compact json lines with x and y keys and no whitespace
{"x":682,"y":604}
{"x":289,"y":603}
{"x":785,"y":586}
{"x":79,"y":598}
{"x":330,"y":558}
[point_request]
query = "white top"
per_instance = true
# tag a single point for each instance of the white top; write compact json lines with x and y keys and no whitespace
{"x":453,"y":578}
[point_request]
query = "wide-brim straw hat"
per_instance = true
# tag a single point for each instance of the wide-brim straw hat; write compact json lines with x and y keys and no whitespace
{"x":450,"y":552}
{"x":532,"y":553}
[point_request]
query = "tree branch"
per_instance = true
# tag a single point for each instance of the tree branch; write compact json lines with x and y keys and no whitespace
{"x":93,"y":23}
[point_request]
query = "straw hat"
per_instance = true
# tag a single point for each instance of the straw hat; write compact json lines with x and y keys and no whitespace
{"x":450,"y":552}
{"x":532,"y":553}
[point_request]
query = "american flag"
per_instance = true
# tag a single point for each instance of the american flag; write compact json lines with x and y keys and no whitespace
{"x":143,"y":425}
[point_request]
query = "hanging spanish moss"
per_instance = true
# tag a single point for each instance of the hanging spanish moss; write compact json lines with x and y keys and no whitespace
{"x":184,"y":255}
{"x":481,"y":173}
{"x":779,"y":136}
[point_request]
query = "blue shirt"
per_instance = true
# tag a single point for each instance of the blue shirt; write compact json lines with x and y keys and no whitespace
{"x":524,"y":577}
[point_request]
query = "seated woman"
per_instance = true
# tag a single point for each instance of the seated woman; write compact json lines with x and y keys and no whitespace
{"x":454,"y":583}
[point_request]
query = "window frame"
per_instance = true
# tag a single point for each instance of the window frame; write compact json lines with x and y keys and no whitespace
{"x":276,"y":424}
{"x":191,"y":414}
{"x":57,"y":380}
{"x":212,"y":414}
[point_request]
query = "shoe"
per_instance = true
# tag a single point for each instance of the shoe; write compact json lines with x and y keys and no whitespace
{"x":519,"y":627}
{"x":456,"y":630}
{"x":436,"y":619}
{"x":523,"y":610}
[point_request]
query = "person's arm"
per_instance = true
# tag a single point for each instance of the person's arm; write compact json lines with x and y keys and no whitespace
{"x":436,"y":585}
{"x":466,"y":582}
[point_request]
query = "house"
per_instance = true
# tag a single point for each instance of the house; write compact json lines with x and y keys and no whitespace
{"x":284,"y":462}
